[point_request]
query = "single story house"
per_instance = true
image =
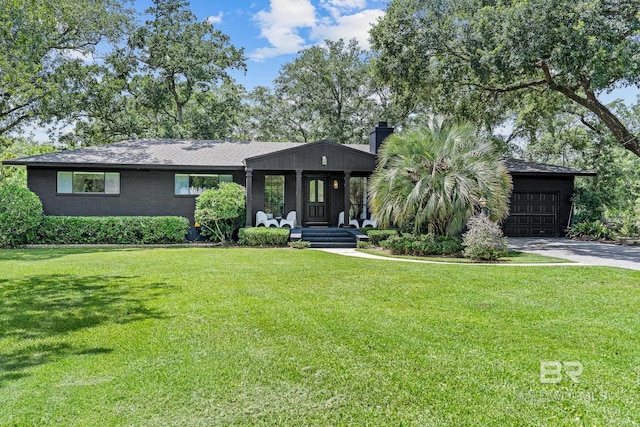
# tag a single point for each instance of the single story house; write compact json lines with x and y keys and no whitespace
{"x":317,"y":180}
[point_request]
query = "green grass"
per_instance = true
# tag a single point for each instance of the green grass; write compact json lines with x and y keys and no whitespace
{"x":511,"y":257}
{"x":286,"y":337}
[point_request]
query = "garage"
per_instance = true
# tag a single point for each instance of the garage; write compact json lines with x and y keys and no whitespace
{"x":541,"y":199}
{"x":532,"y":214}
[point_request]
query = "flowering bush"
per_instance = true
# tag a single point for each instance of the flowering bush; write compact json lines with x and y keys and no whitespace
{"x":484,"y":240}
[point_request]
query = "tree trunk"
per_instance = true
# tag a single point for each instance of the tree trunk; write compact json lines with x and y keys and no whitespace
{"x":176,"y":98}
{"x":617,"y":128}
{"x":591,"y":103}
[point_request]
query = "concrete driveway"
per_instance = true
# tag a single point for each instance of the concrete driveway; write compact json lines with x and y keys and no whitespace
{"x":592,"y":253}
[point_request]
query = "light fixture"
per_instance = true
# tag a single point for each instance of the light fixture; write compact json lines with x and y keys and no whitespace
{"x":324,"y":160}
{"x":335,"y":184}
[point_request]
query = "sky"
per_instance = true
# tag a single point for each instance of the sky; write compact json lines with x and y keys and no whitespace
{"x":272,"y":32}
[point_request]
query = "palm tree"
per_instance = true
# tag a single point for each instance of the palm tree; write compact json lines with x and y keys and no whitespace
{"x":430,"y":178}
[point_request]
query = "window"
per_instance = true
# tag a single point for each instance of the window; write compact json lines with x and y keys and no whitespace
{"x":274,"y":195}
{"x":89,"y":182}
{"x":358,"y":197}
{"x":194,"y":184}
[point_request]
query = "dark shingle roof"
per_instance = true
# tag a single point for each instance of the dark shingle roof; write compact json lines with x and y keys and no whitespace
{"x":172,"y":153}
{"x":523,"y":167}
{"x":164,"y":153}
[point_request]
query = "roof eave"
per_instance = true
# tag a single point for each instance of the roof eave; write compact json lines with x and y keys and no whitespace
{"x":553,"y":174}
{"x":49,"y":165}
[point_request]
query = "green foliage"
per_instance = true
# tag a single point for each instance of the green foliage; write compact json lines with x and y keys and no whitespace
{"x":629,"y":221}
{"x":220,"y":211}
{"x":363,"y":244}
{"x":170,"y":80}
{"x":490,"y":60}
{"x":120,"y":230}
{"x":300,"y":244}
{"x":591,"y":230}
{"x":484,"y":240}
{"x":20,"y":215}
{"x":263,"y":236}
{"x":327,"y":92}
{"x":42,"y":75}
{"x":422,"y":245}
{"x":376,"y":236}
{"x":588,"y":206}
{"x":14,"y":148}
{"x":429,"y":179}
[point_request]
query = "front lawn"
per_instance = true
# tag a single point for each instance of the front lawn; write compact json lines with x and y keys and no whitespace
{"x":207,"y":337}
{"x":510,"y":257}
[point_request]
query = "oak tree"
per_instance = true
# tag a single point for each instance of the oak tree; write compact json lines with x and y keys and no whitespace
{"x":487,"y":59}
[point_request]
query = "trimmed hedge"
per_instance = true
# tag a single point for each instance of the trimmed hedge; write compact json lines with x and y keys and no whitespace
{"x":263,"y":236}
{"x":20,"y":215}
{"x":423,"y":245}
{"x":376,"y":236}
{"x":120,"y":230}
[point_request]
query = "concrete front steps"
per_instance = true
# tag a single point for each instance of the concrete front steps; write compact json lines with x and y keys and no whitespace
{"x":329,"y":237}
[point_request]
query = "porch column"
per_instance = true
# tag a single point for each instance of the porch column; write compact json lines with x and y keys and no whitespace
{"x":347,"y":198}
{"x":249,"y":188}
{"x":299,"y":197}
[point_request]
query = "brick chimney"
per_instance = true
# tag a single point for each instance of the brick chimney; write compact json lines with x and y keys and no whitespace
{"x":378,"y":135}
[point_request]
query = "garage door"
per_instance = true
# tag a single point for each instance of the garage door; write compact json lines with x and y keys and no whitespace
{"x":532,"y":215}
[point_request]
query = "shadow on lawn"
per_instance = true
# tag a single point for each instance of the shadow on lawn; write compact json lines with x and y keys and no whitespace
{"x":37,"y":254}
{"x":50,"y":307}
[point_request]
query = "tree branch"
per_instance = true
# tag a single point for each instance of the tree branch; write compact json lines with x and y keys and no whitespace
{"x":13,"y":124}
{"x":512,"y":88}
{"x":591,"y":103}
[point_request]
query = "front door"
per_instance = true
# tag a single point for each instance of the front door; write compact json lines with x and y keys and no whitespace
{"x":316,"y":200}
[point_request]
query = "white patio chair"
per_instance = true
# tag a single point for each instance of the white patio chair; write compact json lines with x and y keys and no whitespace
{"x":353,"y":222}
{"x":370,"y":223}
{"x":290,"y":220}
{"x":261,"y":219}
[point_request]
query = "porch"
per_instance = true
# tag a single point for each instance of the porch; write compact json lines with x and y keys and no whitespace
{"x":317,"y":181}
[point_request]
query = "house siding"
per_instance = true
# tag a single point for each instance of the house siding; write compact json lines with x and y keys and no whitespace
{"x":142,"y":193}
{"x":309,"y":159}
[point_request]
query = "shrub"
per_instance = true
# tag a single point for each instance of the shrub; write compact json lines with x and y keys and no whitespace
{"x":20,"y":215}
{"x":591,"y":230}
{"x":300,"y":244}
{"x":429,"y":177}
{"x":422,"y":245}
{"x":220,"y":211}
{"x":363,"y":244}
{"x":376,"y":236}
{"x":484,"y":240}
{"x":588,"y":205}
{"x":264,"y":236}
{"x":628,"y":220}
{"x":121,"y":230}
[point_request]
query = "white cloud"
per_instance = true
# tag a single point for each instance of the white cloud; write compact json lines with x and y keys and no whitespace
{"x":349,"y":26}
{"x":287,"y":23}
{"x":337,"y":7}
{"x":281,"y":26}
{"x":215,"y":19}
